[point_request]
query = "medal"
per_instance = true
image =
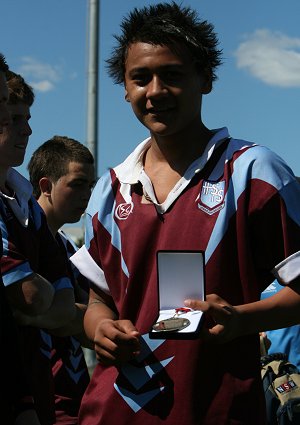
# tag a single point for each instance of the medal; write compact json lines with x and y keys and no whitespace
{"x":174,"y":323}
{"x":171,"y":324}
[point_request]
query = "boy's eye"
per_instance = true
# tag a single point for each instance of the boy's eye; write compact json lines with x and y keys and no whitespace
{"x":141,"y":79}
{"x":16,"y":117}
{"x":172,"y":76}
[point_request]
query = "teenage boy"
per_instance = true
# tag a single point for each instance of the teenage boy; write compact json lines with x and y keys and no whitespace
{"x":34,"y":273}
{"x":62,"y":174}
{"x":186,"y":187}
{"x":16,"y":403}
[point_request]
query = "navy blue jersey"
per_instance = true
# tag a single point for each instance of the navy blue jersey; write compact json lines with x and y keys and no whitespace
{"x":29,"y":247}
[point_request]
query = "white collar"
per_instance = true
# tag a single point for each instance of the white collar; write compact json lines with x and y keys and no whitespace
{"x":129,"y":171}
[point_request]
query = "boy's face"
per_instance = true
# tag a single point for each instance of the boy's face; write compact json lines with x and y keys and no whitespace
{"x":14,"y":137}
{"x":4,"y":114}
{"x":71,"y":193}
{"x":164,"y":88}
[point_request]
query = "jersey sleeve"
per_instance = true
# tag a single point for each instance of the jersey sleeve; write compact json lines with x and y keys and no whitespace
{"x":274,"y":212}
{"x":32,"y":249}
{"x":89,"y":268}
{"x":14,"y":265}
{"x":86,"y":259}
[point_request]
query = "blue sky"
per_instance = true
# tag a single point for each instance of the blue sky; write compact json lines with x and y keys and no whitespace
{"x":257,"y":94}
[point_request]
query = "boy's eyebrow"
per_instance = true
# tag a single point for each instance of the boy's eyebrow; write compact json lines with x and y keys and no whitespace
{"x":21,"y":115}
{"x":135,"y":70}
{"x":162,"y":67}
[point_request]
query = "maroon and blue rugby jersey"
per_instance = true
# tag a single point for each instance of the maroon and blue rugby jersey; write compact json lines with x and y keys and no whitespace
{"x":28,"y":246}
{"x":239,"y":203}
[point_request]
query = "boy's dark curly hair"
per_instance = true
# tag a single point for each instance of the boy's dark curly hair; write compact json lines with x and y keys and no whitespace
{"x":19,"y":91}
{"x":166,"y":24}
{"x":3,"y":64}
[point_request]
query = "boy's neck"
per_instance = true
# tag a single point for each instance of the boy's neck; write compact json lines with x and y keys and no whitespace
{"x":3,"y":182}
{"x":179,"y":151}
{"x":52,"y":224}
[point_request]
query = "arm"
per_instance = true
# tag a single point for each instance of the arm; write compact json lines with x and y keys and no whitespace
{"x":75,"y":327}
{"x":31,"y":296}
{"x":116,"y":341}
{"x":278,"y":311}
{"x":61,"y":312}
{"x":81,"y":295}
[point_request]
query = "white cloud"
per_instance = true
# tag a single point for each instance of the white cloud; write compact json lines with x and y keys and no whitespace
{"x":41,"y":76}
{"x":42,"y":86}
{"x":272,"y":57}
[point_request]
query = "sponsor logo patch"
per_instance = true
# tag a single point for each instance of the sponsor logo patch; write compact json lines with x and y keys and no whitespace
{"x":123,"y":211}
{"x":286,"y":387}
{"x":211,"y":197}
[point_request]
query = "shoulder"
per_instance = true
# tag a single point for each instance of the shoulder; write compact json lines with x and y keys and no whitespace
{"x":104,"y":183}
{"x":102,"y":192}
{"x":257,"y":162}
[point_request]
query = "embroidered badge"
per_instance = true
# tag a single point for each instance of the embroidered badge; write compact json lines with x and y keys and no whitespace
{"x":286,"y":386}
{"x":123,"y":211}
{"x":211,"y":197}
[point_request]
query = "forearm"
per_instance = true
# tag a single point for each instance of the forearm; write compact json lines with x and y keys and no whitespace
{"x":32,"y":295}
{"x":75,"y":326}
{"x":115,"y":341}
{"x":228,"y":322}
{"x":279,"y":311}
{"x":61,"y":311}
{"x":97,"y":311}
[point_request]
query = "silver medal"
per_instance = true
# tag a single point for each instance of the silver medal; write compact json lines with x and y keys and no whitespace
{"x":171,"y":324}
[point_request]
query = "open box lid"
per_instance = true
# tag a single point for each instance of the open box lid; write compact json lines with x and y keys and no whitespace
{"x":180,"y":277}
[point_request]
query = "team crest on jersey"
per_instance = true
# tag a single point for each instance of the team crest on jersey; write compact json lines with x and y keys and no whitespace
{"x":123,"y":211}
{"x":211,"y":197}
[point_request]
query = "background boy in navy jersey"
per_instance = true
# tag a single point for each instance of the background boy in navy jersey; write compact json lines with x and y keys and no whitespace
{"x":62,"y":174}
{"x":34,"y":272}
{"x":16,"y":404}
{"x":185,"y":187}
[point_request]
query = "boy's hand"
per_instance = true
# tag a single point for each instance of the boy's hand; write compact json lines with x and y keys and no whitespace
{"x":225,"y":316}
{"x":116,"y":342}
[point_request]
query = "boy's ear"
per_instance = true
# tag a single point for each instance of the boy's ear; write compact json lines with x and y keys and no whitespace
{"x":207,"y":86}
{"x":126,"y":97}
{"x":206,"y":79}
{"x":45,"y":186}
{"x":207,"y":83}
